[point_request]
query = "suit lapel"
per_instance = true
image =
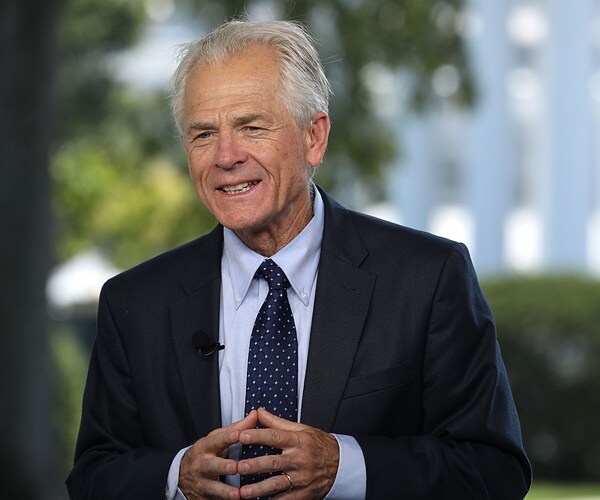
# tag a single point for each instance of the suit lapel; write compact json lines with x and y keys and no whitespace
{"x":342,"y":302}
{"x":341,"y":305}
{"x":198,"y":309}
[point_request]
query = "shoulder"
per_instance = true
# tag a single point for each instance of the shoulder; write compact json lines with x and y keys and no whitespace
{"x":383,"y":236}
{"x":380,"y":238}
{"x":173,"y":268}
{"x":369,"y":225}
{"x":395,"y":247}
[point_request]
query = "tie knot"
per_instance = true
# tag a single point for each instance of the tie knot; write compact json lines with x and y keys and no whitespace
{"x":276,"y":278}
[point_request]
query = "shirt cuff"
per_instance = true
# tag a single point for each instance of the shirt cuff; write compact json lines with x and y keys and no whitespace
{"x":172,"y":492}
{"x":351,"y":478}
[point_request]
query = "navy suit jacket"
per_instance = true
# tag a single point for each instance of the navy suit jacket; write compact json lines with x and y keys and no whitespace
{"x":403,"y":356}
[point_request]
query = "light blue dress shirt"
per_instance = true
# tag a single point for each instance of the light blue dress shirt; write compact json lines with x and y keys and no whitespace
{"x":241,"y":298}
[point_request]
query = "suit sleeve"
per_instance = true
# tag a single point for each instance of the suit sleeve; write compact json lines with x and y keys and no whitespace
{"x":112,"y":458}
{"x":470,"y":445}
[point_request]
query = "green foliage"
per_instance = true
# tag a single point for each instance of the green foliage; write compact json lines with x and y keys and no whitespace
{"x":88,"y":32}
{"x":549,"y":331}
{"x":557,"y":491}
{"x":119,"y":174}
{"x":70,"y":363}
{"x":131,"y":206}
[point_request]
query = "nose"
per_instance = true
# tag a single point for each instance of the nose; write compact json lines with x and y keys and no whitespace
{"x":230,"y":151}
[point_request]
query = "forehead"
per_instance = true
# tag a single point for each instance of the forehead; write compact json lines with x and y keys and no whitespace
{"x":255,"y":67}
{"x":245,"y":84}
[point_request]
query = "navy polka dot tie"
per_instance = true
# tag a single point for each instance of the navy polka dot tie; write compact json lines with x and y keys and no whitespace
{"x":271,"y":382}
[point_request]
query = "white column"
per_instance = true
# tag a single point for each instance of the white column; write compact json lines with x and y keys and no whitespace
{"x":566,"y":197}
{"x":413,"y":184}
{"x":491,"y":149}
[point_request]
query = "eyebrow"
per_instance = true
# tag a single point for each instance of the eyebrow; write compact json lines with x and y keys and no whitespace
{"x":245,"y":119}
{"x":199,"y":126}
{"x":238,"y":120}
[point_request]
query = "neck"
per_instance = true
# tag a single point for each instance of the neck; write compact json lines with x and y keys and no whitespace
{"x":269,"y":240}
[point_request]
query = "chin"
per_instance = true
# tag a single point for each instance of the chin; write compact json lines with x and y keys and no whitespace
{"x":237,"y":225}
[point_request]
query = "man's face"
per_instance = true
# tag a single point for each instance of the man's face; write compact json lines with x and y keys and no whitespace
{"x":249,"y":161}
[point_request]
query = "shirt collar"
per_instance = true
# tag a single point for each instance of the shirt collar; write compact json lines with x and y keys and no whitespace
{"x":299,"y":259}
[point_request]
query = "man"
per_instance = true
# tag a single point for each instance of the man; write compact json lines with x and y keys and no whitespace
{"x":384,"y":379}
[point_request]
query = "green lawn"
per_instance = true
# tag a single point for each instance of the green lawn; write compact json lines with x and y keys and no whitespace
{"x":550,"y":491}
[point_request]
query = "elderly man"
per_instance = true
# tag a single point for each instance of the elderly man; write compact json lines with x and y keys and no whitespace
{"x":299,"y":350}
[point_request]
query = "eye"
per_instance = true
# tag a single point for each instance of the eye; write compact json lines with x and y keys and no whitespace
{"x":203,"y":136}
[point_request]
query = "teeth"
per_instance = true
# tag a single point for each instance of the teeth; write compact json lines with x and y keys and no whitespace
{"x":238,"y":188}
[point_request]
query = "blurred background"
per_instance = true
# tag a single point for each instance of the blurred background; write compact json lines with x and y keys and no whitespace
{"x":473,"y":119}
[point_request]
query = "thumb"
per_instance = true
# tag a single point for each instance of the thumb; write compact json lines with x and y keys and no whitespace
{"x":268,"y":420}
{"x":248,"y":422}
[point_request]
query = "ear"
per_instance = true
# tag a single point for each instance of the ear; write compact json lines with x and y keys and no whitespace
{"x":317,"y":135}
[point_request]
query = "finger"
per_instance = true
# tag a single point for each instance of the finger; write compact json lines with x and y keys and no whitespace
{"x":202,"y":480}
{"x":274,"y":438}
{"x":264,"y":464}
{"x":248,"y":422}
{"x":267,"y":419}
{"x":271,"y":486}
{"x":196,"y":461}
{"x":212,"y":489}
{"x":219,"y":440}
{"x":212,"y":452}
{"x":217,"y":466}
{"x":280,"y":435}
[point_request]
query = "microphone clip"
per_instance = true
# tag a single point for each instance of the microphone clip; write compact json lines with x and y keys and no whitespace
{"x":201,"y":342}
{"x":208,"y":350}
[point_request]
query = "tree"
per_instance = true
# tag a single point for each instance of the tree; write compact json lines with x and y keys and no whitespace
{"x":27,"y":436}
{"x":110,"y":169}
{"x":120,"y":182}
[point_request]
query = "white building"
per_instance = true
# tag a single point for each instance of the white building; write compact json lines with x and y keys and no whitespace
{"x":518,"y":177}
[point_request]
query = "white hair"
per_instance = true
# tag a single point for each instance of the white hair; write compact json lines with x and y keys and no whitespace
{"x":305,"y":88}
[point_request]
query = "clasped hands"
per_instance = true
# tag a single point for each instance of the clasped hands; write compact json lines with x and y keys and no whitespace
{"x":309,"y":457}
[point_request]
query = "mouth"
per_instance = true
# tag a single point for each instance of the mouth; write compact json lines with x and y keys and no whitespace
{"x":238,"y":188}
